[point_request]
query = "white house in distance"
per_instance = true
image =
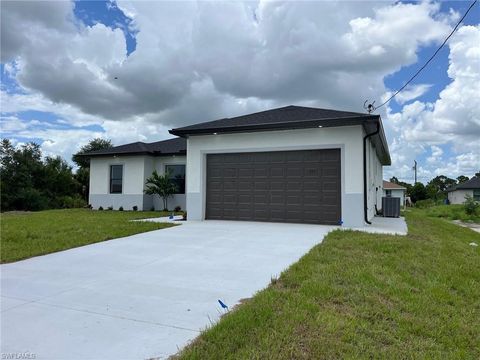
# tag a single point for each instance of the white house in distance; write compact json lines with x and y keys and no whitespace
{"x":457,"y":193}
{"x":291,"y":164}
{"x":394,"y":190}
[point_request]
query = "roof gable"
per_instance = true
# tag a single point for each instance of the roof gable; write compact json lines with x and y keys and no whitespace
{"x":159,"y":148}
{"x":290,"y":118}
{"x":387,"y":185}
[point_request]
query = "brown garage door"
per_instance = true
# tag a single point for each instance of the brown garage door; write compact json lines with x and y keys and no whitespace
{"x":279,"y":186}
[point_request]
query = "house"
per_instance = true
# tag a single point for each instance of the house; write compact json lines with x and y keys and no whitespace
{"x":290,"y":164}
{"x":456,"y":194}
{"x":394,"y":190}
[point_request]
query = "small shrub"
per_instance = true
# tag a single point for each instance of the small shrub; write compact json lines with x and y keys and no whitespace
{"x":100,"y":208}
{"x":89,"y":206}
{"x":423,"y":204}
{"x":470,"y":205}
{"x":185,"y":215}
{"x":120,"y":208}
{"x":110,"y":208}
{"x":135,"y":208}
{"x":152,"y":208}
{"x":177,"y":208}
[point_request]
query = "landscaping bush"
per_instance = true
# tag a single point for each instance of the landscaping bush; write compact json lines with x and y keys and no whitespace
{"x":470,"y":205}
{"x":100,"y":208}
{"x":110,"y":208}
{"x":70,"y":202}
{"x":120,"y":208}
{"x":177,"y":208}
{"x":423,"y":204}
{"x":135,"y":208}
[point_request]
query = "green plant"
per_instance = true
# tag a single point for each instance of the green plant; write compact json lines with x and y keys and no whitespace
{"x":423,"y":204}
{"x":177,"y":208}
{"x":470,"y":205}
{"x":120,"y":208}
{"x":135,"y":208}
{"x":184,"y":215}
{"x":110,"y":208}
{"x":162,"y":186}
{"x":100,"y":208}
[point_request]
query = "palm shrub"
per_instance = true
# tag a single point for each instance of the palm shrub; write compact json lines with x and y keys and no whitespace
{"x":162,"y":186}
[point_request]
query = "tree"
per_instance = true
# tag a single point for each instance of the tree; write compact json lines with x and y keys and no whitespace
{"x":31,"y":182}
{"x":437,"y":187}
{"x":462,"y":178}
{"x":93,"y":145}
{"x":394,"y":180}
{"x":418,"y":192}
{"x":162,"y":186}
{"x":83,"y":173}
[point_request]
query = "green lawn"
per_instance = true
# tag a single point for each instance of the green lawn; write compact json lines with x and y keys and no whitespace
{"x":27,"y":234}
{"x":360,"y":295}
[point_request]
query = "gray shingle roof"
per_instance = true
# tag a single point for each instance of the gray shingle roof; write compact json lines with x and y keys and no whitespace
{"x":473,"y":183}
{"x":275,"y":118}
{"x":159,"y":148}
{"x":293,"y":117}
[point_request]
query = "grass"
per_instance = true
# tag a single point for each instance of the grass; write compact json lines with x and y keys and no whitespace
{"x":452,"y":212}
{"x":361,"y":295}
{"x":27,"y":234}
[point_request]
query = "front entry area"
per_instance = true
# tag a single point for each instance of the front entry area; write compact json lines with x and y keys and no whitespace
{"x":301,"y":186}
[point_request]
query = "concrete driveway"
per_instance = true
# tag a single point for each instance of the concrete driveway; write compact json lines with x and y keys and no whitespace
{"x":143,"y":296}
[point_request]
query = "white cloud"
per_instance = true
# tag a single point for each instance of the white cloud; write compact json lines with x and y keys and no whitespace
{"x":197,"y":61}
{"x":453,"y":120}
{"x":412,"y":92}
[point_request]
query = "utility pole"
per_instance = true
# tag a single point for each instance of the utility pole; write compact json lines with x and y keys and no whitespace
{"x":415,"y":169}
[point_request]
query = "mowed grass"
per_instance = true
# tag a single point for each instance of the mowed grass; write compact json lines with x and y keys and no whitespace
{"x":367,"y":296}
{"x":27,"y":234}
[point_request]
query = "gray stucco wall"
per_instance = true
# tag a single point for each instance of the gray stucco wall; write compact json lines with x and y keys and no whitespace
{"x":116,"y":200}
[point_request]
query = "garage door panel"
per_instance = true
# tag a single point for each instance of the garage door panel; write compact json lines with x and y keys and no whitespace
{"x":284,"y":186}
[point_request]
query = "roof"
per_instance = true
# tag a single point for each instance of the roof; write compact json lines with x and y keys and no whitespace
{"x":392,"y":186}
{"x":159,"y":148}
{"x":293,"y":117}
{"x":473,"y":183}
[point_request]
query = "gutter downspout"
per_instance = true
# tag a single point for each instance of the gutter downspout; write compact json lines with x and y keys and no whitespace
{"x":365,"y":211}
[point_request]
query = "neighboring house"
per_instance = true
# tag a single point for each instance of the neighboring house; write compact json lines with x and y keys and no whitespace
{"x":457,"y":193}
{"x":291,"y":164}
{"x":394,"y":190}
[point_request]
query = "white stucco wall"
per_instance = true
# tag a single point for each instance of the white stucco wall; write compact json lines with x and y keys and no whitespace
{"x":458,"y":196}
{"x":135,"y":170}
{"x":348,"y":139}
{"x":374,"y":180}
{"x":396,"y":193}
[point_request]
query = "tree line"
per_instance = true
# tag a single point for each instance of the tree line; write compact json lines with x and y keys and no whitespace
{"x":31,"y":181}
{"x":435,"y":189}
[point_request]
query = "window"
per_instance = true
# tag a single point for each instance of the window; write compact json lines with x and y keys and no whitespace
{"x":177,"y":176}
{"x":476,"y":195}
{"x":116,"y":179}
{"x":388,"y":193}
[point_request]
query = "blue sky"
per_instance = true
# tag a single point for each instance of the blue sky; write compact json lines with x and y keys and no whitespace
{"x":155,"y":67}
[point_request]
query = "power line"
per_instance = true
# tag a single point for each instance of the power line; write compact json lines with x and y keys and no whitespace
{"x":373,"y":108}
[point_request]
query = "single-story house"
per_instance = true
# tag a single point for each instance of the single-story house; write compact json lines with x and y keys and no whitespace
{"x":456,"y":194}
{"x":394,"y":190}
{"x":290,"y":164}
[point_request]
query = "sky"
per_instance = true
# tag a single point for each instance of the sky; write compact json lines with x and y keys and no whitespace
{"x":131,"y":70}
